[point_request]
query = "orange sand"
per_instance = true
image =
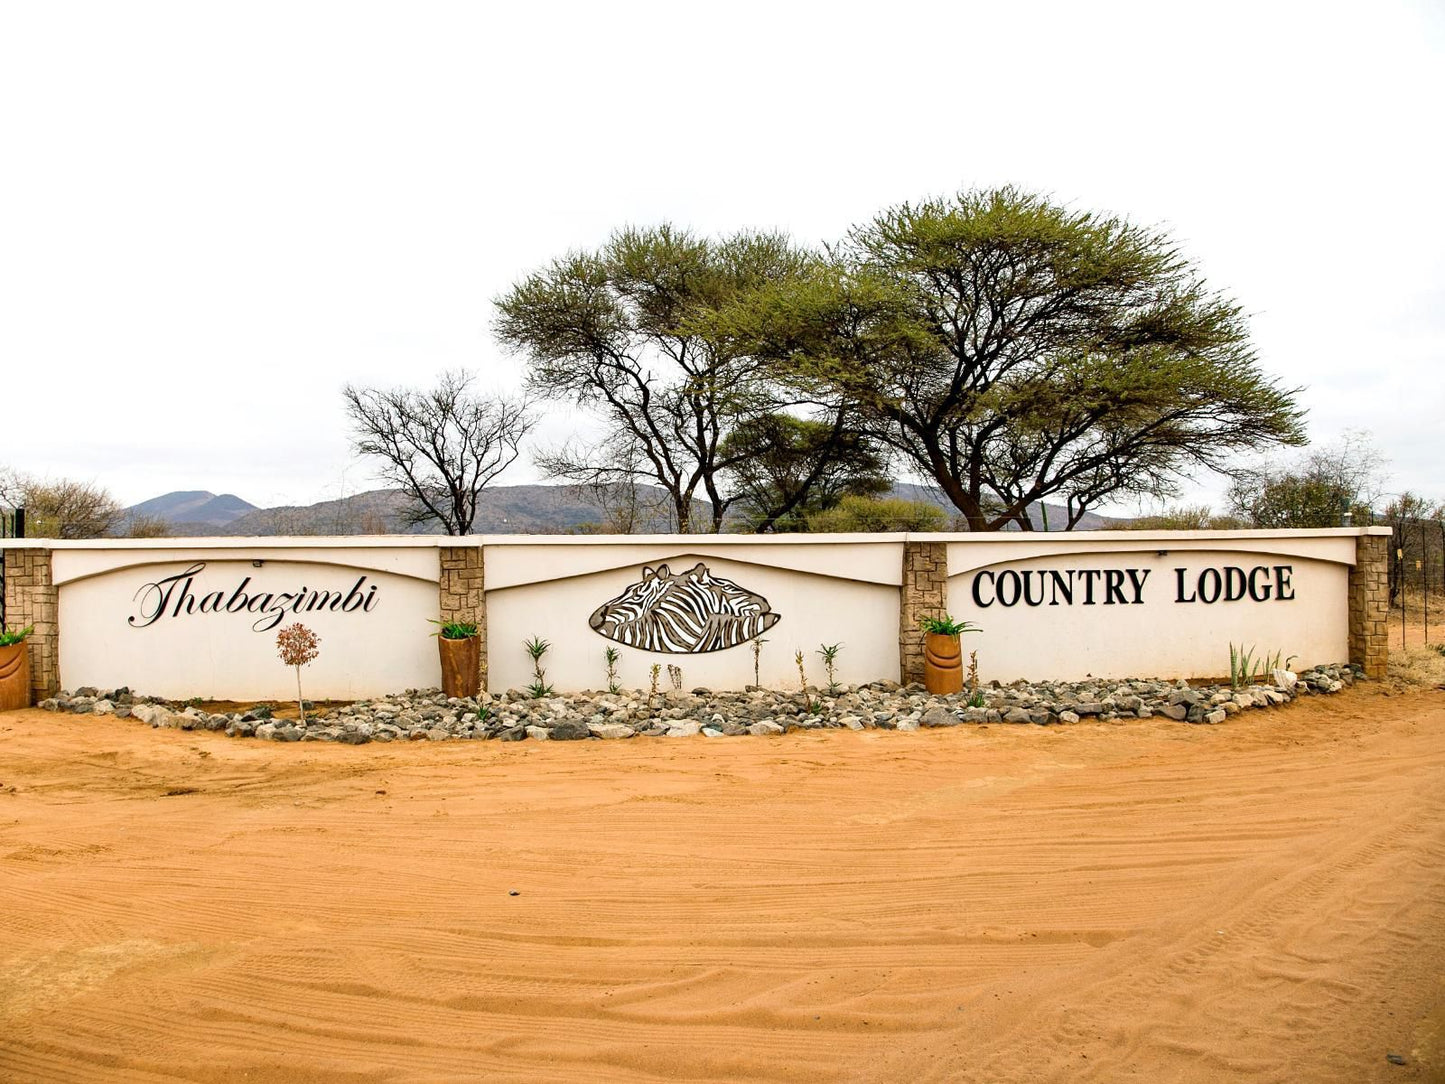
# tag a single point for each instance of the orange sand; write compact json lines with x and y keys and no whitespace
{"x":1263,"y":900}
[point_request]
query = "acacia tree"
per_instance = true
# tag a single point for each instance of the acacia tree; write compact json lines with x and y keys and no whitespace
{"x":626,"y":332}
{"x":786,"y":469}
{"x":1012,"y":349}
{"x":441,"y":447}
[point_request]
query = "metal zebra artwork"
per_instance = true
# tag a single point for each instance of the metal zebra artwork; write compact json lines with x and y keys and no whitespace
{"x":683,"y":613}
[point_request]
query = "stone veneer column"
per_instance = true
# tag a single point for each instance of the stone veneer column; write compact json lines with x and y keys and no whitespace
{"x":463,"y":591}
{"x":925,"y":594}
{"x":30,"y":599}
{"x":1370,"y":604}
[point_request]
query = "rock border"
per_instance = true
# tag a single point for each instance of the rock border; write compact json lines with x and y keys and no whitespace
{"x":426,"y":714}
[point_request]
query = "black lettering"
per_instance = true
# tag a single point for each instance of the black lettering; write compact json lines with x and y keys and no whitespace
{"x":370,"y":599}
{"x":319,"y":599}
{"x":157,"y":596}
{"x":185,"y":598}
{"x":238,"y":596}
{"x":1282,"y":574}
{"x":212,"y":603}
{"x":1008,"y":577}
{"x":1179,"y":586}
{"x":1209,"y":588}
{"x":977,"y":596}
{"x":1028,"y":597}
{"x":1113,"y":584}
{"x":1090,"y":575}
{"x":1235,"y":583}
{"x":1260,"y":592}
{"x":1137,"y":576}
{"x":1063,"y":587}
{"x":354,"y":595}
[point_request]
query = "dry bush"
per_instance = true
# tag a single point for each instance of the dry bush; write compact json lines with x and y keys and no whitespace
{"x":1419,"y":666}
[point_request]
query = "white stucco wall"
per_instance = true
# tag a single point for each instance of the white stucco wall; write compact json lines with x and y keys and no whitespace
{"x":114,"y":632}
{"x":1147,"y":626}
{"x":844,"y":592}
{"x":214,"y":638}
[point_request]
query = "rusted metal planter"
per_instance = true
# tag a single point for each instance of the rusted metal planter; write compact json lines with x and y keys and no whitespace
{"x":461,"y":666}
{"x":942,"y":664}
{"x":15,"y":676}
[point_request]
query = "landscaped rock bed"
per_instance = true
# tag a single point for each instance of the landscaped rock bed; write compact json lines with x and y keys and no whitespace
{"x":425,"y":714}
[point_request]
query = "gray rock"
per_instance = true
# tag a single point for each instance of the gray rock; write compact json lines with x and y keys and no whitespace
{"x":570,"y":730}
{"x":1018,"y":715}
{"x":538,"y":733}
{"x":766,"y":728}
{"x":1068,"y":717}
{"x":1177,"y":712}
{"x":684,"y":730}
{"x":938,"y":716}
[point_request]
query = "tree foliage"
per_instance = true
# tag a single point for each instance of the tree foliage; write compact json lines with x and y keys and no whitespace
{"x":441,"y":447}
{"x":1012,"y":349}
{"x":627,"y":332}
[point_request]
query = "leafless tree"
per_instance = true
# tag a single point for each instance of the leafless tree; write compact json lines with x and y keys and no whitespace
{"x":441,"y":447}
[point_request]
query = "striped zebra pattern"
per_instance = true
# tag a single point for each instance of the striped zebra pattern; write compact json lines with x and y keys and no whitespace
{"x":683,"y":613}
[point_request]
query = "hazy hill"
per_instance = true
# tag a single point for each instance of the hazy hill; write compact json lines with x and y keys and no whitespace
{"x":530,"y":509}
{"x":193,"y":506}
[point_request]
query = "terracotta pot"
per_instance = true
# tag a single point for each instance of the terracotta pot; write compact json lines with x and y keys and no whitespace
{"x":461,"y":666}
{"x":942,"y":664}
{"x":15,"y":676}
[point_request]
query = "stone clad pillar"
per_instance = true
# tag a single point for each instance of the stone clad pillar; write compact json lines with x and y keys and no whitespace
{"x":924,"y":594}
{"x":462,"y":592}
{"x":1370,"y":605}
{"x":30,"y":599}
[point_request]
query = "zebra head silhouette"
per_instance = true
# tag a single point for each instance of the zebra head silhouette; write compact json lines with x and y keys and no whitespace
{"x":683,"y":612}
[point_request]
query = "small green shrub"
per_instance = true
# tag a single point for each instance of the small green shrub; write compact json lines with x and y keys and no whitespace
{"x":455,"y":630}
{"x":946,"y":626}
{"x":536,"y":648}
{"x":9,"y":637}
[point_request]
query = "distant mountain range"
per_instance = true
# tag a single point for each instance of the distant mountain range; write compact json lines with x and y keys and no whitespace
{"x":533,"y":509}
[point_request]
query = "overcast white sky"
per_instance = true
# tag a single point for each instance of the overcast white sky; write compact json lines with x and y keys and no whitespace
{"x":212,"y":216}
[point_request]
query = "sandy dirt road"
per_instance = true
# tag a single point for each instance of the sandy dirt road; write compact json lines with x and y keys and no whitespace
{"x":1262,"y":900}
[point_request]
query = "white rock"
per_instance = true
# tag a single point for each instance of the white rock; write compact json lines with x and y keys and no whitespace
{"x":610,"y":731}
{"x":539,"y":733}
{"x":1284,"y":679}
{"x":153,"y":714}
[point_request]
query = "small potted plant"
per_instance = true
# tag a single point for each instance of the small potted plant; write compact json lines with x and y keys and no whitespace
{"x":14,"y":668}
{"x":942,"y":655}
{"x":460,"y":644}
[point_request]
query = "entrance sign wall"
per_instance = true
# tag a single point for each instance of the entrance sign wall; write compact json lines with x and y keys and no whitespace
{"x":198,"y":617}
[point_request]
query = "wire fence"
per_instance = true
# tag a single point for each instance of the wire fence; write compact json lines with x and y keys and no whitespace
{"x":1417,"y":576}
